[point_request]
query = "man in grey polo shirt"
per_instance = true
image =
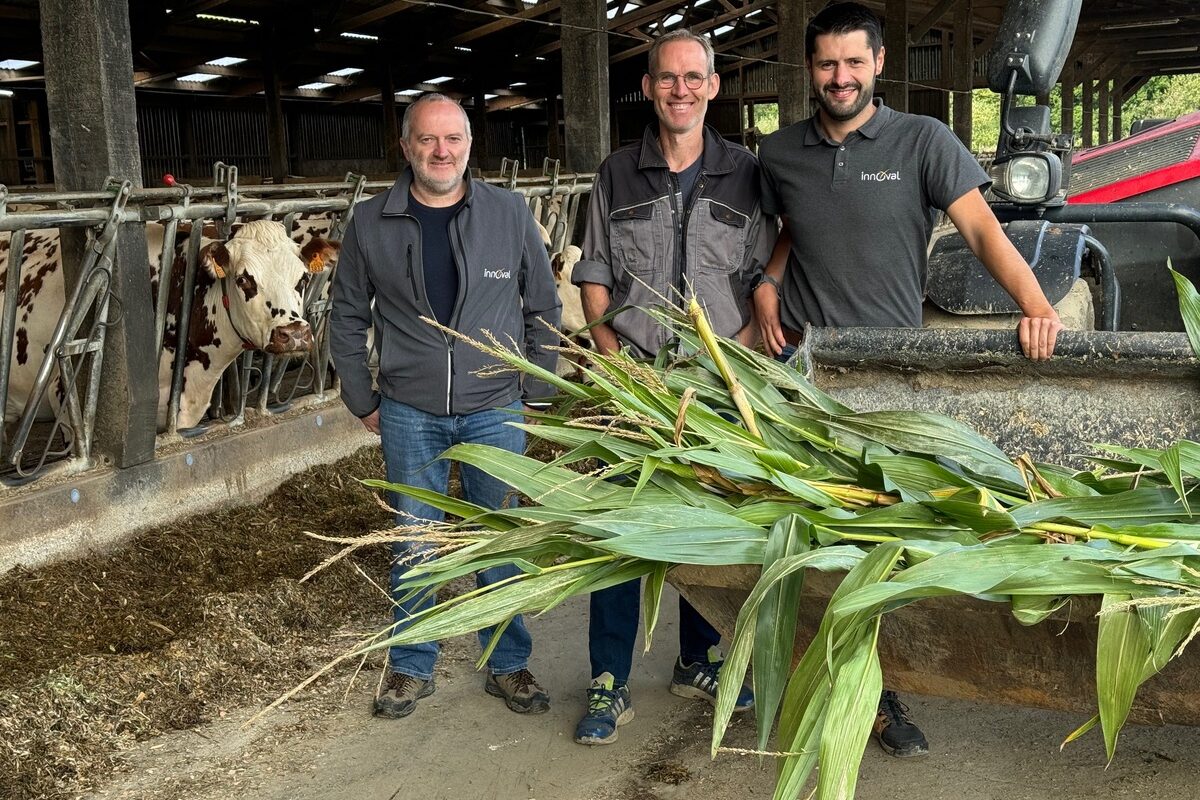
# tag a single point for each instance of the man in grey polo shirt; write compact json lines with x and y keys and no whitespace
{"x":858,"y":187}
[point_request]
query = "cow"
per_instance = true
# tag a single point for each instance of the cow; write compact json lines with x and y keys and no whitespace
{"x":248,"y":295}
{"x":573,"y":320}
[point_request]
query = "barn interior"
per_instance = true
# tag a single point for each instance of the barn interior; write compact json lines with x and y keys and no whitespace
{"x":308,"y":88}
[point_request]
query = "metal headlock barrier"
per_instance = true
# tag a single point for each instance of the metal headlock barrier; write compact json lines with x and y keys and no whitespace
{"x":64,"y":390}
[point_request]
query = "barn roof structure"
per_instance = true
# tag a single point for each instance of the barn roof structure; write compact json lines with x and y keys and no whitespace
{"x":507,"y":53}
{"x":506,"y":57}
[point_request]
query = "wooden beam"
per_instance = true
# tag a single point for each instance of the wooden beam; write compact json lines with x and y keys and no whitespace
{"x":367,"y":17}
{"x":533,"y":12}
{"x":715,"y":22}
{"x":929,"y":20}
{"x":185,"y":10}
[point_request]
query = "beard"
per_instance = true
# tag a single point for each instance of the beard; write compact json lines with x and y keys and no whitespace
{"x":435,"y":184}
{"x":841,"y":112}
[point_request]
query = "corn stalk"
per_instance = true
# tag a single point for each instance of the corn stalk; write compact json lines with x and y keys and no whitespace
{"x":718,"y":455}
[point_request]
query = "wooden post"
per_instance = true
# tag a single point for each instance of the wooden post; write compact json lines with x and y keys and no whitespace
{"x":480,"y":149}
{"x":1068,"y":97}
{"x":895,"y":65}
{"x":1103,"y":104}
{"x":585,"y":83}
{"x":792,"y":80}
{"x":1118,"y":101}
{"x":964,"y":74}
{"x":10,"y":168}
{"x":391,"y":130}
{"x":276,"y":122}
{"x":553,"y":139}
{"x":1088,"y":96}
{"x":87,"y":50}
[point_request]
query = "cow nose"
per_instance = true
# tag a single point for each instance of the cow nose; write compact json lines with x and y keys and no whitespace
{"x":295,"y":337}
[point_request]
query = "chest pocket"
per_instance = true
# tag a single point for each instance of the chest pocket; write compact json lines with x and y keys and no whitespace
{"x":722,"y":238}
{"x":637,"y":240}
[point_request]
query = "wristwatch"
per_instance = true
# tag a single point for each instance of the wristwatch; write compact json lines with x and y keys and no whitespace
{"x":762,"y":278}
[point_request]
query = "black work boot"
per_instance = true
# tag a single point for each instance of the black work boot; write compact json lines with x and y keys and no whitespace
{"x":897,"y":734}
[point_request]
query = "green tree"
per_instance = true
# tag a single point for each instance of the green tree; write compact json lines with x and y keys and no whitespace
{"x":1163,"y":97}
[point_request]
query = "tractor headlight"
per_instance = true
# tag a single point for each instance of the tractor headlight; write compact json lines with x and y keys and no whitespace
{"x":1027,"y":177}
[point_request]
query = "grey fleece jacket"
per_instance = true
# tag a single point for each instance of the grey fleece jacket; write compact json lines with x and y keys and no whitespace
{"x":504,"y":285}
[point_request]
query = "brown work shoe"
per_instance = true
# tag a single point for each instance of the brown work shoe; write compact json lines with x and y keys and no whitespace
{"x":520,"y":692}
{"x":400,"y":695}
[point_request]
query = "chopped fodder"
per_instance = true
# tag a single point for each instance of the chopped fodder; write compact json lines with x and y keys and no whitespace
{"x":177,"y":626}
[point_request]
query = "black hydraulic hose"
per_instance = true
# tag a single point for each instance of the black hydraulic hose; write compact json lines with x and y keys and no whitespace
{"x":1110,"y":290}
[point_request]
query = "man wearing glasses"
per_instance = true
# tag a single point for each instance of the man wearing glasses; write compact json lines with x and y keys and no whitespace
{"x":673,"y":216}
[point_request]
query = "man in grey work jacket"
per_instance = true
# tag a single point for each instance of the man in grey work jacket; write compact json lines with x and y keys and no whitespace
{"x":675,"y":214}
{"x":469,"y":255}
{"x":858,"y":187}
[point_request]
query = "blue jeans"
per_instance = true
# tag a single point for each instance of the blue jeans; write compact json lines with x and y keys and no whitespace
{"x":613,"y":626}
{"x":412,"y":442}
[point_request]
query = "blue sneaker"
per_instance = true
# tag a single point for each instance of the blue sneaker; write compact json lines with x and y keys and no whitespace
{"x":609,"y":707}
{"x":699,"y":681}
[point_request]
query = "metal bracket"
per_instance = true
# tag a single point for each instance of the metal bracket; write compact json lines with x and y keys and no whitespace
{"x":225,"y":176}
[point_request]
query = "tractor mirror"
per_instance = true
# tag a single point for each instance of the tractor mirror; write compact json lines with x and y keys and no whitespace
{"x":1034,"y":39}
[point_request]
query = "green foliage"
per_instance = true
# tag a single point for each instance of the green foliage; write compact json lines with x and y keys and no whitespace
{"x":766,"y":117}
{"x":909,"y":504}
{"x":1163,"y":97}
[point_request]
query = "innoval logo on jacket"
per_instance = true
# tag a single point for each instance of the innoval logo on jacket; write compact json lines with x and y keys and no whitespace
{"x":882,"y":175}
{"x":498,"y":274}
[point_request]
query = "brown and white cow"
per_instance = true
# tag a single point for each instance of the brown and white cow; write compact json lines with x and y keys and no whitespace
{"x":249,"y":295}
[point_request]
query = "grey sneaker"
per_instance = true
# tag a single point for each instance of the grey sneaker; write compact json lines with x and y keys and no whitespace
{"x":401,"y":694}
{"x":520,"y":692}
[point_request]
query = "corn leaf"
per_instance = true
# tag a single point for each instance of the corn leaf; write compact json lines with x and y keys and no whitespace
{"x":1189,"y":307}
{"x":652,"y":600}
{"x":857,"y":683}
{"x":1122,"y":649}
{"x":775,"y":631}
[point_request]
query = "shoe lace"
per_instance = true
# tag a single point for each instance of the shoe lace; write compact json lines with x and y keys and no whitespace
{"x":398,"y":682}
{"x":895,"y":711}
{"x":601,"y":700}
{"x":521,"y":680}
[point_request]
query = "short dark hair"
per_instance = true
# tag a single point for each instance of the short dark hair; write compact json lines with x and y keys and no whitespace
{"x":843,"y":18}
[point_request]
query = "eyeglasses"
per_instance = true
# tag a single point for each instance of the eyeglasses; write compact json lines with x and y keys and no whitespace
{"x":692,"y":80}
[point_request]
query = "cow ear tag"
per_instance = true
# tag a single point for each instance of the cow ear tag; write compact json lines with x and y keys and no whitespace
{"x":220,"y":273}
{"x":317,"y":262}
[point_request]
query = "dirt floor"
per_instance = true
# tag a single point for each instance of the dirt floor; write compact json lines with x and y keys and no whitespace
{"x":133,"y":674}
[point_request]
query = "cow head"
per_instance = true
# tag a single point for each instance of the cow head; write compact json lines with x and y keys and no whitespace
{"x":262,"y":274}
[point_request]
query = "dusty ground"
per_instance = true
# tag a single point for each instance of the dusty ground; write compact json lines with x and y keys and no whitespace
{"x":131,"y":676}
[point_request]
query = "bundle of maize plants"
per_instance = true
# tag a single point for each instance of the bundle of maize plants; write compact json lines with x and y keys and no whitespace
{"x":717,"y":455}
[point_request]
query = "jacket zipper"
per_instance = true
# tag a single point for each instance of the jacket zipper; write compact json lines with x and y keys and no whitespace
{"x":429,"y":310}
{"x":681,"y":228}
{"x":454,"y":317}
{"x":412,"y":278}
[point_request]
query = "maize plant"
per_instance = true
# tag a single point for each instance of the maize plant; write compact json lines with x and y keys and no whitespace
{"x":717,"y":455}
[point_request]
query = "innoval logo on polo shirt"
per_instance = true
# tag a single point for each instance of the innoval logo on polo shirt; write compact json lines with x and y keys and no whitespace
{"x":498,"y":274}
{"x":882,"y":175}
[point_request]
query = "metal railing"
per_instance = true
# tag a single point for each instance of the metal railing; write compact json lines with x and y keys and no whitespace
{"x":255,"y":379}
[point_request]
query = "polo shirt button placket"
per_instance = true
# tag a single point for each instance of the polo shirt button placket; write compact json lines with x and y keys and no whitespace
{"x":840,"y":172}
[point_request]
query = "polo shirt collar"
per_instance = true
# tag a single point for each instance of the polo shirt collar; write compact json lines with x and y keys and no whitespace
{"x":715,"y":159}
{"x":870,"y":129}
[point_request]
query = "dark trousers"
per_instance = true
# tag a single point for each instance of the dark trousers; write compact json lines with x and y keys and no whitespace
{"x":613,"y":626}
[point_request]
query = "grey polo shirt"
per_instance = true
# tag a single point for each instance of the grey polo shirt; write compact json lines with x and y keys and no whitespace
{"x":861,"y":213}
